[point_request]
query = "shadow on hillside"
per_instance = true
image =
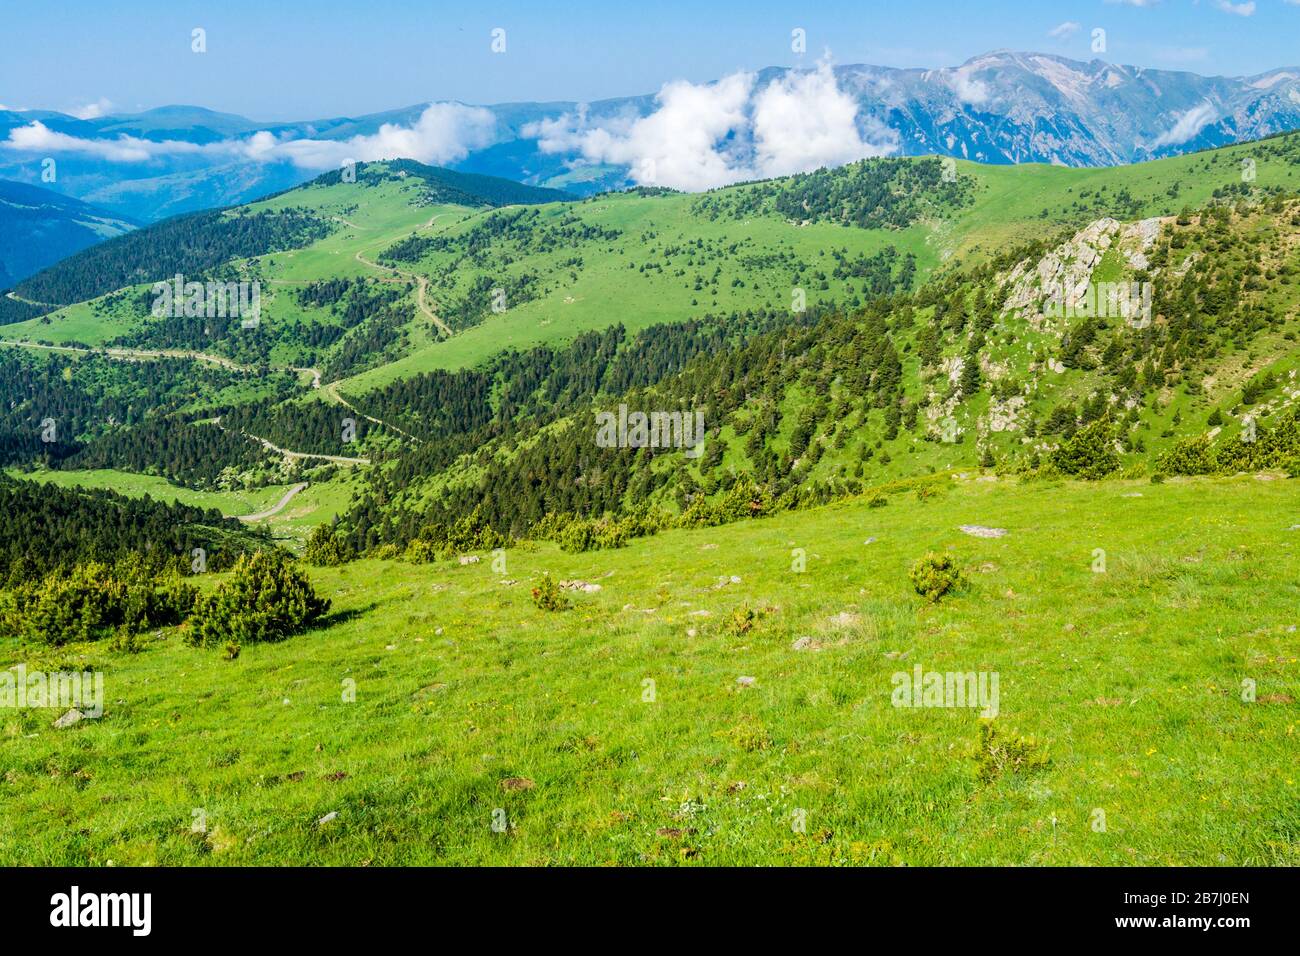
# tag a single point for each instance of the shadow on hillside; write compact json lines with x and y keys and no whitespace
{"x":342,"y":617}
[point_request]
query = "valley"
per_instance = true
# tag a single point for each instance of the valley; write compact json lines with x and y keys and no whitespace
{"x":368,"y":588}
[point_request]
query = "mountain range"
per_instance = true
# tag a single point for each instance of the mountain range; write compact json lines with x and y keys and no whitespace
{"x":391,"y":479}
{"x":38,"y":227}
{"x":999,"y":108}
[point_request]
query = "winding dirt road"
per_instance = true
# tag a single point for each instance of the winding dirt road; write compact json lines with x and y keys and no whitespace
{"x":421,"y":283}
{"x":330,"y":391}
{"x":276,"y":508}
{"x":17,"y":298}
{"x":289,"y":453}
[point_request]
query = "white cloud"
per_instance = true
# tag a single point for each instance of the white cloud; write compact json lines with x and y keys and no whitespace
{"x":1135,"y":3}
{"x":1065,"y":30}
{"x":36,"y":137}
{"x":91,"y":111}
{"x":444,"y":133}
{"x":701,"y":136}
{"x":1238,"y":9}
{"x":680,"y":144}
{"x":1188,"y":125}
{"x":969,"y":90}
{"x":804,"y":121}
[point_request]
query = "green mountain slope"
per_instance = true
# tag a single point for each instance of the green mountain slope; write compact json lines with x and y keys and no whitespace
{"x":834,"y":329}
{"x":38,"y":227}
{"x":621,"y":732}
{"x":1026,"y":422}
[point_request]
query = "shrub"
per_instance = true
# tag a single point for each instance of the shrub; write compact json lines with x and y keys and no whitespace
{"x":436,"y":539}
{"x":935,"y":575}
{"x":421,"y":551}
{"x":742,"y":620}
{"x":744,"y":499}
{"x":877,"y":500}
{"x":574,"y":537}
{"x":1272,"y":448}
{"x":548,"y":596}
{"x":996,"y":755}
{"x":325,"y":549}
{"x":126,"y":642}
{"x":1254,"y":389}
{"x":474,"y":533}
{"x":1191,"y":456}
{"x":750,"y":734}
{"x":266,"y":598}
{"x":608,"y":533}
{"x":96,"y":600}
{"x":1088,"y":453}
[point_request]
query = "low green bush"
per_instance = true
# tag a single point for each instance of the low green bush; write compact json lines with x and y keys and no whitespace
{"x":267,"y":598}
{"x":96,"y":600}
{"x":1089,"y":453}
{"x":935,"y":575}
{"x":325,"y":548}
{"x":548,"y":596}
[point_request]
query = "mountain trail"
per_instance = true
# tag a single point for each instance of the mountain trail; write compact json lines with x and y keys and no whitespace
{"x":17,"y":298}
{"x":289,"y":453}
{"x":277,"y":507}
{"x":332,"y":392}
{"x":421,"y":284}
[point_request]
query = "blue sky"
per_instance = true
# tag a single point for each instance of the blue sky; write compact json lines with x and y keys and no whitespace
{"x":281,"y":59}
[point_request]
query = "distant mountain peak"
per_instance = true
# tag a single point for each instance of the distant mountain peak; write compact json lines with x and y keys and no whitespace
{"x":1002,"y":106}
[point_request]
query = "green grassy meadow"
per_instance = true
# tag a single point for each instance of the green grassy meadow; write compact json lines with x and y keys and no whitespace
{"x":474,"y":707}
{"x":317,"y":503}
{"x":232,"y":503}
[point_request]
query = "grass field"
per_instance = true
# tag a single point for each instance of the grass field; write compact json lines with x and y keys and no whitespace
{"x":474,"y":707}
{"x":231,"y":503}
{"x":318,"y":503}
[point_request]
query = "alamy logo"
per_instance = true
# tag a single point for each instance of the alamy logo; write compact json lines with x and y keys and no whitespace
{"x":651,"y":430}
{"x":923,"y":688}
{"x":1130,"y":301}
{"x":83,"y":690}
{"x":176,"y":299}
{"x":103,"y":909}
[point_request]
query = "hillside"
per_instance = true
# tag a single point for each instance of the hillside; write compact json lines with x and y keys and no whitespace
{"x":736,"y":249}
{"x":1032,"y":424}
{"x":38,"y":227}
{"x":197,"y":243}
{"x":656,"y":722}
{"x":923,"y":344}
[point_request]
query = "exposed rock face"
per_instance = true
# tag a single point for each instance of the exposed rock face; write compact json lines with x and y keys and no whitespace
{"x":979,"y":531}
{"x":1004,"y":416}
{"x":1064,"y":275}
